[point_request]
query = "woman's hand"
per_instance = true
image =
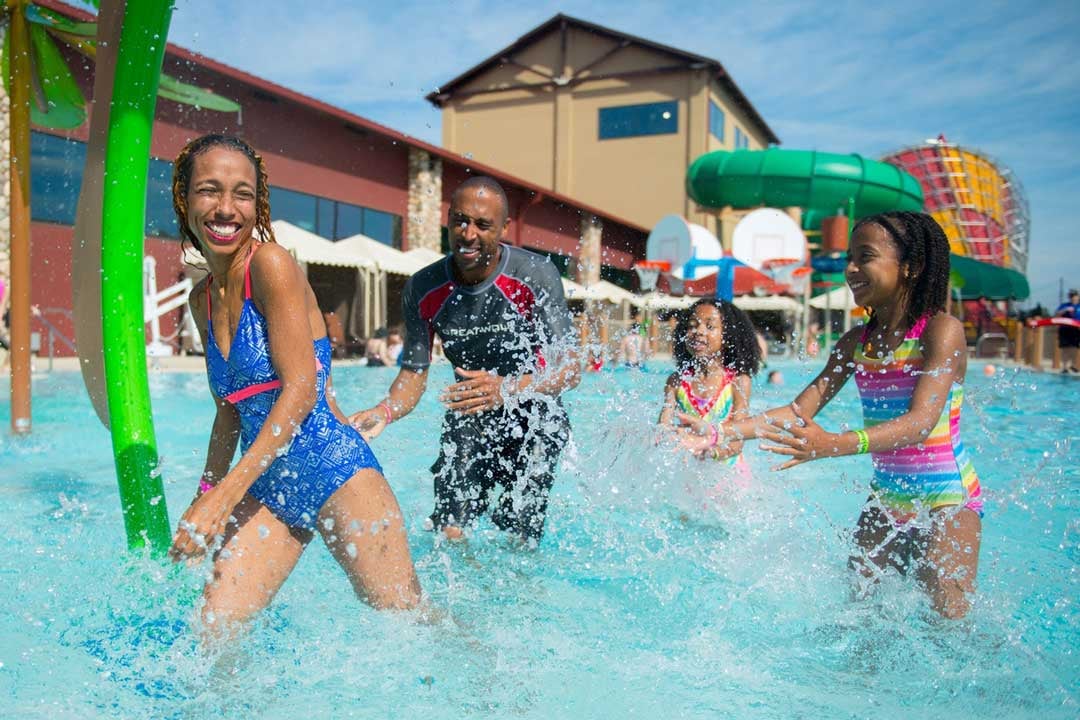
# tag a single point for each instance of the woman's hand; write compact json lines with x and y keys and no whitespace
{"x":201,"y":525}
{"x":803,"y":440}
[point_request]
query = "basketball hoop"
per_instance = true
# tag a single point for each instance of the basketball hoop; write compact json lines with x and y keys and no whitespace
{"x":788,"y":271}
{"x":649,"y":272}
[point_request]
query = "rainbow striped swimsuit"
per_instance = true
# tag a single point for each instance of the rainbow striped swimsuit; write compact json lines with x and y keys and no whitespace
{"x":934,"y":473}
{"x":714,"y":410}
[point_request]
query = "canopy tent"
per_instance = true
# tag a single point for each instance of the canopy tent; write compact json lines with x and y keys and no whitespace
{"x":611,"y":292}
{"x":983,"y":280}
{"x":307,"y":247}
{"x":774,"y":303}
{"x":839,"y":298}
{"x":368,"y":307}
{"x":426,"y":256}
{"x":662,"y":301}
{"x":602,"y":291}
{"x":387,"y":258}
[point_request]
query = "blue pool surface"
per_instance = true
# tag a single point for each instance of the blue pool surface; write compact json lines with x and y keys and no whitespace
{"x":645,"y":599}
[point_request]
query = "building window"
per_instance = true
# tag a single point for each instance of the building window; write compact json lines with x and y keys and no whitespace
{"x":350,"y":221}
{"x":716,"y":121}
{"x":742,"y":140}
{"x":382,"y":226}
{"x":299,"y":209}
{"x":56,"y":170}
{"x":636,"y":120}
{"x":160,"y":216}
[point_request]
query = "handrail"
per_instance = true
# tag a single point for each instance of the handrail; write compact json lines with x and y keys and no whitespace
{"x":54,"y":332}
{"x":992,"y":336}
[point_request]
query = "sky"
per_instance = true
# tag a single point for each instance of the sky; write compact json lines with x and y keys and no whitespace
{"x":999,"y":77}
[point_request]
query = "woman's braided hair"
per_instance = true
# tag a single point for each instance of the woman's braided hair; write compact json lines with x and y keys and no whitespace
{"x":182,"y":168}
{"x":924,"y":249}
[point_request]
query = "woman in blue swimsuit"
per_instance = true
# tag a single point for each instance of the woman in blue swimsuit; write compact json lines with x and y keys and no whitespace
{"x":302,"y":468}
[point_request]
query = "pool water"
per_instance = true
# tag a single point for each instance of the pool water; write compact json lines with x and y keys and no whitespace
{"x":648,"y":596}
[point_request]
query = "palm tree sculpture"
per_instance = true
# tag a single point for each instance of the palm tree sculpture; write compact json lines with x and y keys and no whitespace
{"x":43,"y":90}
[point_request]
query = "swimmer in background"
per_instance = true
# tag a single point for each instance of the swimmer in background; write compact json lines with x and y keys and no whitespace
{"x":716,"y":354}
{"x":302,"y":469}
{"x":633,"y":348}
{"x":925,"y":506}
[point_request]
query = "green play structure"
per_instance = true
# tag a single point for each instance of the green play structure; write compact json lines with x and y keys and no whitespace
{"x":128,"y":45}
{"x":820,"y":183}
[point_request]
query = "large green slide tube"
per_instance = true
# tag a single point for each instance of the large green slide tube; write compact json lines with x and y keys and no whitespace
{"x":821,"y":183}
{"x":127,"y":161}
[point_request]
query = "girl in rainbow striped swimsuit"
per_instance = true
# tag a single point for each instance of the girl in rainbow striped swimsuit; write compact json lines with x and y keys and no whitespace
{"x":716,"y":353}
{"x":925,"y":506}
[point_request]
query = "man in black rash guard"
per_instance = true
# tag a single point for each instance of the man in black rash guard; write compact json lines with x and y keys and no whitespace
{"x":503,"y":322}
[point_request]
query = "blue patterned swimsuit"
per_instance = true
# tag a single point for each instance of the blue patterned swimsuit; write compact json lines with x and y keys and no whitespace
{"x":324,"y":454}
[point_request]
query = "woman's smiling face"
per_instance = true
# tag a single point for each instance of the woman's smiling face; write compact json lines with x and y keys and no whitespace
{"x":221,"y":200}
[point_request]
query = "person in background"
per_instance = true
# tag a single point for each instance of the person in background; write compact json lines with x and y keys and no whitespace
{"x":375,"y":349}
{"x":394,"y":345}
{"x":633,"y":347}
{"x":1069,"y":335}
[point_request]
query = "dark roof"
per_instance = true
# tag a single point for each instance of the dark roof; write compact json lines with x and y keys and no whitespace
{"x":314,"y":105}
{"x":446,"y":91}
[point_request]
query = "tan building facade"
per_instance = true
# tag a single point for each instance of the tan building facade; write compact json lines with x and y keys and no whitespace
{"x":599,"y":115}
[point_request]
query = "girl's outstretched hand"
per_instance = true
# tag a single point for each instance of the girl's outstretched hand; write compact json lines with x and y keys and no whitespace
{"x":695,"y":434}
{"x":803,"y":440}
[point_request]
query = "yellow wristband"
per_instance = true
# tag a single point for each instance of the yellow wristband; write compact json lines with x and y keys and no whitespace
{"x":864,"y":441}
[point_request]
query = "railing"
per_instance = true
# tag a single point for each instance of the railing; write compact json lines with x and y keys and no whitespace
{"x":53,"y":333}
{"x":1002,"y":338}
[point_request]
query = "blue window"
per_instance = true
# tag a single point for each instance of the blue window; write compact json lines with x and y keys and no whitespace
{"x":742,"y":140}
{"x":635,"y":120}
{"x":56,"y":169}
{"x":382,"y":226}
{"x":350,"y":221}
{"x":332,"y":219}
{"x":160,"y":216}
{"x":294,"y":207}
{"x":716,"y":121}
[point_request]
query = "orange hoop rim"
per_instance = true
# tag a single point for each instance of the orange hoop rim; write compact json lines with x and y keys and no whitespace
{"x":661,"y":265}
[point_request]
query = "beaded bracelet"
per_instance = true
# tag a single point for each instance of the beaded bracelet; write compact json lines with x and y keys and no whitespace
{"x":386,"y":409}
{"x":864,"y":441}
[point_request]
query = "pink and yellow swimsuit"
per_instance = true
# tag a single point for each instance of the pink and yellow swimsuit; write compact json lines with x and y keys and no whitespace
{"x":932,"y":474}
{"x":714,"y":410}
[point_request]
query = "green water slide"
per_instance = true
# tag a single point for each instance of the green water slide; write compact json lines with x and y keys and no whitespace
{"x":820,"y":183}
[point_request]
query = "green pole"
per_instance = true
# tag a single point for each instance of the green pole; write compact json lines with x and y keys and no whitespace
{"x":127,"y":161}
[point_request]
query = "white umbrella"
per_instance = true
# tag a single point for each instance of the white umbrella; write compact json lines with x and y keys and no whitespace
{"x":836,"y":299}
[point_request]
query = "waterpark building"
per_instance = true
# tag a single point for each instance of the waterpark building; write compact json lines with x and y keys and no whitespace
{"x":599,"y":115}
{"x":333,"y":175}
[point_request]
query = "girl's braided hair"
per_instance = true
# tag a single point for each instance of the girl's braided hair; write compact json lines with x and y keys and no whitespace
{"x":923,"y":247}
{"x":740,"y":352}
{"x":183,"y":166}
